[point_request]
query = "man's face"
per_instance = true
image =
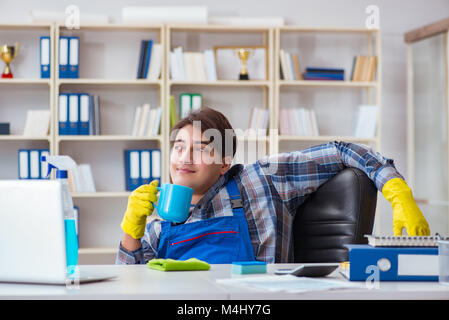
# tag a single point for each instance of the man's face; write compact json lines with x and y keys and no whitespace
{"x":193,"y":162}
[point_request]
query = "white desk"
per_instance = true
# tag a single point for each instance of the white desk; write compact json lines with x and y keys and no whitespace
{"x":140,"y":282}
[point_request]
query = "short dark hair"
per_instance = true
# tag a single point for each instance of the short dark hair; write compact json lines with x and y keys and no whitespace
{"x":209,"y":119}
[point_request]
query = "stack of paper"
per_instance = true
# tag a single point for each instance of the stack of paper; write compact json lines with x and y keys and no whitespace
{"x":288,"y":283}
{"x":192,"y":66}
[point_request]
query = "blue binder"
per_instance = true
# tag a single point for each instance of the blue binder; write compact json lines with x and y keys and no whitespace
{"x":23,"y":164}
{"x":64,"y":57}
{"x":63,"y":114}
{"x":84,"y":113}
{"x":74,"y":53}
{"x":392,"y":263}
{"x":145,"y":166}
{"x":43,"y":165}
{"x":156,"y":163}
{"x":29,"y":163}
{"x":73,"y":109}
{"x":142,"y":58}
{"x":132,"y":169}
{"x":45,"y":57}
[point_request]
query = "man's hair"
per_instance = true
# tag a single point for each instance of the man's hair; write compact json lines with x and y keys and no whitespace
{"x":210,"y":119}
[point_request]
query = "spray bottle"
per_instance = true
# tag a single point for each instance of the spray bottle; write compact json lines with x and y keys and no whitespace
{"x":62,"y":164}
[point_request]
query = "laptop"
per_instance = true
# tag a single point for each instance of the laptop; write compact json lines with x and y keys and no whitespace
{"x":32,"y":236}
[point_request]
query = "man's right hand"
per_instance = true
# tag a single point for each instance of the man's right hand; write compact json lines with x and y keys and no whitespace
{"x":140,"y":206}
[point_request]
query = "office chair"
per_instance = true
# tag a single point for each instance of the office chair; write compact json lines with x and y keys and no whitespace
{"x":340,"y":212}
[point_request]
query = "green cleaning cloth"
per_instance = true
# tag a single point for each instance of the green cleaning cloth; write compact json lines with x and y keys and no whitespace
{"x":178,"y":265}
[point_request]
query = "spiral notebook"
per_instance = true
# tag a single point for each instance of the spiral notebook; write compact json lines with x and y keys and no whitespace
{"x":405,"y":241}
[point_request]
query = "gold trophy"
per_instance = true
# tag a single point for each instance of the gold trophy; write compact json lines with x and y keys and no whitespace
{"x":243,"y":55}
{"x":8,"y":54}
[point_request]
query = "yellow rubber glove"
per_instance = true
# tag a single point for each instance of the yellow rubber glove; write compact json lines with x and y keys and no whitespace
{"x":140,"y":206}
{"x":406,"y":213}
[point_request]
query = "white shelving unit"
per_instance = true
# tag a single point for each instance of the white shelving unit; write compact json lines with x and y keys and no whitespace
{"x":109,"y":57}
{"x":108,"y":67}
{"x":332,"y":48}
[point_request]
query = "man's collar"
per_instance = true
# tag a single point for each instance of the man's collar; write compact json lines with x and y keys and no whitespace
{"x":218,"y":185}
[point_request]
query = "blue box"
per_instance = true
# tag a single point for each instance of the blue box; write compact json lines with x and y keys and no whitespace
{"x":248,"y":267}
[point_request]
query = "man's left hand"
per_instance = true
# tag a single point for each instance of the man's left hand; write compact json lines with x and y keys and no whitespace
{"x":406,"y":213}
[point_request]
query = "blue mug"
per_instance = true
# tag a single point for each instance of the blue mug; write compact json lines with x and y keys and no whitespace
{"x":174,"y":202}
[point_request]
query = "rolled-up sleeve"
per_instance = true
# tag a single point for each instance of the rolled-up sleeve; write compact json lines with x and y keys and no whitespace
{"x":296,"y":174}
{"x":148,"y":251}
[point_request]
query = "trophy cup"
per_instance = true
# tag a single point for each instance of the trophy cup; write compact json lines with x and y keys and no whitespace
{"x":243,"y":55}
{"x":8,"y":54}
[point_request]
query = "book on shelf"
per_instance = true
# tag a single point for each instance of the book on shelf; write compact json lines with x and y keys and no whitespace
{"x":150,"y":60}
{"x":366,"y":121}
{"x":313,"y":73}
{"x":189,"y":102}
{"x":29,"y":163}
{"x":258,"y":121}
{"x":172,"y":112}
{"x":192,"y":66}
{"x":364,"y":68}
{"x":298,"y":121}
{"x":289,"y":66}
{"x":80,"y":178}
{"x":78,"y":114}
{"x":146,"y":121}
{"x":37,"y":123}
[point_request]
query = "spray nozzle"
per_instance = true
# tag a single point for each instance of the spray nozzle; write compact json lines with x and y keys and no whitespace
{"x":61,"y":163}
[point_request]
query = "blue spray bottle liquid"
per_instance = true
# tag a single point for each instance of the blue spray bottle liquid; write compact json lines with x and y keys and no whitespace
{"x":62,"y":164}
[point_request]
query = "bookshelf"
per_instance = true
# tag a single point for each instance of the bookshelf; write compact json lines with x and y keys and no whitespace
{"x":197,"y":38}
{"x":109,"y":57}
{"x":119,"y":92}
{"x":327,"y":48}
{"x":26,"y":91}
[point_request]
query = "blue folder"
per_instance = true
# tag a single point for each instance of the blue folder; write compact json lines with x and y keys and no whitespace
{"x":73,"y":128}
{"x":45,"y":57}
{"x":63,"y":114}
{"x":64,"y":57}
{"x":156,"y":163}
{"x":132,"y":169}
{"x":84,"y":113}
{"x":74,"y":53}
{"x":393,"y":263}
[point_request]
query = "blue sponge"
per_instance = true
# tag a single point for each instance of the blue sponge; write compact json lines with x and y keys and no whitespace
{"x":247,"y":267}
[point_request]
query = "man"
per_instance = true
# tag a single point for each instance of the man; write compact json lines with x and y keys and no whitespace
{"x":246,"y":212}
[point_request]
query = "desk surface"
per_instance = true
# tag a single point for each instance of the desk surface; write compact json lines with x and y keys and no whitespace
{"x":140,"y":282}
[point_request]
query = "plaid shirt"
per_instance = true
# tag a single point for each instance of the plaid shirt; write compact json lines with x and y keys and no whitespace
{"x":272,"y":188}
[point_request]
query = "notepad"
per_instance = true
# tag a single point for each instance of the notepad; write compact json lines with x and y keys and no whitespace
{"x":404,"y":241}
